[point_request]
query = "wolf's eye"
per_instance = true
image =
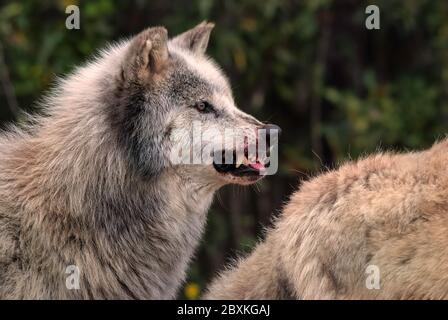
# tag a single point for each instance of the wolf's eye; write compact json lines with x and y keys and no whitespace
{"x":203,"y":106}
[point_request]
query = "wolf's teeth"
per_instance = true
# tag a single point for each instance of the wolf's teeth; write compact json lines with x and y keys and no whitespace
{"x":239,"y":161}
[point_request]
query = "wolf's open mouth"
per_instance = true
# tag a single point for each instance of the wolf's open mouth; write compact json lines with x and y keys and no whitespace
{"x":246,"y":167}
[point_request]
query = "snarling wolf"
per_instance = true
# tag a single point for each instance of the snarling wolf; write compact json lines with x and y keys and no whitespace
{"x":373,"y":229}
{"x":92,"y":205}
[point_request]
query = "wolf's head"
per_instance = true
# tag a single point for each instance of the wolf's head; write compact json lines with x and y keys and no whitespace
{"x":173,"y":108}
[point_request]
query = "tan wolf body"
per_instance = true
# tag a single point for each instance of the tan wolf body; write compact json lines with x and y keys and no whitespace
{"x":384,"y":216}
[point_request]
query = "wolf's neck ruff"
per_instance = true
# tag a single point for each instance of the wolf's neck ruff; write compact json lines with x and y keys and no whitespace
{"x":80,"y":204}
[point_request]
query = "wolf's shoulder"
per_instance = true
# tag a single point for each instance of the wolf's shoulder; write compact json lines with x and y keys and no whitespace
{"x":381,"y":182}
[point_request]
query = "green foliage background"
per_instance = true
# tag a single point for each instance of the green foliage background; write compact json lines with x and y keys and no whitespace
{"x":337,"y":89}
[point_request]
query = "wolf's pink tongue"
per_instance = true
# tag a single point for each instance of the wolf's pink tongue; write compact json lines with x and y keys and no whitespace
{"x":257,"y":165}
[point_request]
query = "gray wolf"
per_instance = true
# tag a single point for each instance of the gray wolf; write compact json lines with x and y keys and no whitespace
{"x":91,"y":186}
{"x":385,"y":216}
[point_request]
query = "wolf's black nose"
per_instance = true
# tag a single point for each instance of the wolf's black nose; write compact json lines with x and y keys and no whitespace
{"x":269,"y":127}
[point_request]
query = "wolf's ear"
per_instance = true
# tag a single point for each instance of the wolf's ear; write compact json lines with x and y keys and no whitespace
{"x":195,"y":39}
{"x":147,"y":54}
